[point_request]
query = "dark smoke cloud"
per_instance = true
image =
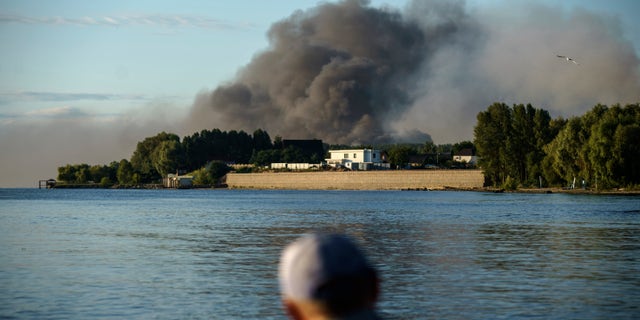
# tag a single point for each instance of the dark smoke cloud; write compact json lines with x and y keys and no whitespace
{"x":510,"y":56}
{"x":346,"y":72}
{"x":336,"y":72}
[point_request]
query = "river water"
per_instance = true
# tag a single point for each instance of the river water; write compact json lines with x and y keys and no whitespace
{"x":175,"y":254}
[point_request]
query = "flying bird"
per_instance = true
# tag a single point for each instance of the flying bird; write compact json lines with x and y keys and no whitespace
{"x":567,"y":58}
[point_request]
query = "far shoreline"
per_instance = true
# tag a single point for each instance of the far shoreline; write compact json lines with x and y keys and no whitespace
{"x":550,"y":190}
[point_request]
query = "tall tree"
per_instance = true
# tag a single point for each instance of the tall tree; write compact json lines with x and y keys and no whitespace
{"x":399,"y":155}
{"x":142,"y":159}
{"x":613,"y":149}
{"x":167,"y":157}
{"x":125,"y":172}
{"x":261,"y":140}
{"x":490,"y":138}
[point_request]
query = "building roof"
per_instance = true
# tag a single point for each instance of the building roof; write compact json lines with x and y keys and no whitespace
{"x":308,"y":147}
{"x":465,"y":152}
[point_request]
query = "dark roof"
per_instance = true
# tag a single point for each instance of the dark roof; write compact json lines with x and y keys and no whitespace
{"x":465,"y":152}
{"x":417,"y":158}
{"x":308,"y":147}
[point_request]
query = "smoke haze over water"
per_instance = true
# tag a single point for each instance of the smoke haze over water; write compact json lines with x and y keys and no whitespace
{"x":349,"y":73}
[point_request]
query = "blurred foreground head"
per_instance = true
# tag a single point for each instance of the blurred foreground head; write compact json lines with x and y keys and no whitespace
{"x":326,"y":276}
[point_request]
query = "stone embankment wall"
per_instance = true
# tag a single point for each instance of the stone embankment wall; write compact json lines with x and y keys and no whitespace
{"x":359,"y":180}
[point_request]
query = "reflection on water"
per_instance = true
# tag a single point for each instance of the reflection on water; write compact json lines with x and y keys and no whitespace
{"x":213,"y":254}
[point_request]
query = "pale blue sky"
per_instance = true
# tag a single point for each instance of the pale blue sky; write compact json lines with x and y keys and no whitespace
{"x":78,"y":65}
{"x":129,"y":51}
{"x":103,"y":57}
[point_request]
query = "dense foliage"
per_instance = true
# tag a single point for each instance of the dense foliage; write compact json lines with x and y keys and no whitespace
{"x":204,"y":154}
{"x":521,"y":145}
{"x":510,"y":141}
{"x":602,"y":146}
{"x":83,"y":173}
{"x":517,"y":146}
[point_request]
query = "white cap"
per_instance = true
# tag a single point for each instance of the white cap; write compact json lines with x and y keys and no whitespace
{"x":311,"y":262}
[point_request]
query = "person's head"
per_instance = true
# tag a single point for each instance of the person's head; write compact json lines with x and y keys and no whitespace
{"x":326,"y":276}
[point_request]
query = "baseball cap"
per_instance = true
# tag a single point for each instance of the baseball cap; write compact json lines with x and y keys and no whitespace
{"x":322,"y":266}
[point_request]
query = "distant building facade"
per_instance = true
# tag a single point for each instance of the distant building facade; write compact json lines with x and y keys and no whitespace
{"x":295,"y":166}
{"x":357,"y":159}
{"x":466,"y":156}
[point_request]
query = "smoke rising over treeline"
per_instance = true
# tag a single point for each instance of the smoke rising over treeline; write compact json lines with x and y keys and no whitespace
{"x":347,"y":72}
{"x":337,"y":72}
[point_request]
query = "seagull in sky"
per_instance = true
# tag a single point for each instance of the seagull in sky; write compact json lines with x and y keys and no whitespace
{"x":568,"y":59}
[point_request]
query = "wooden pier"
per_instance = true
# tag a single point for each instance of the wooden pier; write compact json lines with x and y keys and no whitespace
{"x":48,"y":184}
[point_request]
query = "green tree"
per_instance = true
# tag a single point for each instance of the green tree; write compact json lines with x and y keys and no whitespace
{"x":143,"y":157}
{"x":457,"y":147}
{"x":97,"y":172}
{"x":491,"y":135}
{"x":67,"y":173}
{"x":265,"y":157}
{"x":112,"y":169}
{"x":613,"y":148}
{"x":510,"y":142}
{"x":211,"y":173}
{"x":542,"y":135}
{"x":82,"y":173}
{"x":166,"y":157}
{"x":277,"y":142}
{"x":520,"y":142}
{"x":239,"y":147}
{"x":261,"y":140}
{"x":201,"y":177}
{"x":105,"y":182}
{"x":125,"y":172}
{"x":217,"y":169}
{"x":428,"y":147}
{"x":399,"y":155}
{"x":564,"y":149}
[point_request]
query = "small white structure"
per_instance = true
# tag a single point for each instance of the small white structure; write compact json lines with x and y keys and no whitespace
{"x":466,"y":156}
{"x":357,"y":159}
{"x":177,"y":181}
{"x":295,"y":166}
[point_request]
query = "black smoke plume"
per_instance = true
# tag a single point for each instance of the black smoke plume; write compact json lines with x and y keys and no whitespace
{"x":348,"y":73}
{"x":338,"y":72}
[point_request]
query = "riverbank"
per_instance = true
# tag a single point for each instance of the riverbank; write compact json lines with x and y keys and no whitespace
{"x":619,"y":191}
{"x":405,"y":180}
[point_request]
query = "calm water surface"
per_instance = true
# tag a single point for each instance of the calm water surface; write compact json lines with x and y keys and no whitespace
{"x":174,"y":254}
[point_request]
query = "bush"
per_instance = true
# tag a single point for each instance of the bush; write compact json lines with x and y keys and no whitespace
{"x":105,"y":182}
{"x":510,"y":184}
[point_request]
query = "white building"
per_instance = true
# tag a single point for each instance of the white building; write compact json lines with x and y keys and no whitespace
{"x":295,"y":166}
{"x":466,"y":156}
{"x":356,"y":159}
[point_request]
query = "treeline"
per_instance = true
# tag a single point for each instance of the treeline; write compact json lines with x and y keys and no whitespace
{"x":205,"y":154}
{"x":518,"y":146}
{"x":523,"y":146}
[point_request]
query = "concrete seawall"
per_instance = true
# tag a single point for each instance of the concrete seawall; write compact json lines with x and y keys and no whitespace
{"x":359,"y":180}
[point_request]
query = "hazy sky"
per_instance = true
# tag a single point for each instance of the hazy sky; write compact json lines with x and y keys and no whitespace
{"x":83,"y":81}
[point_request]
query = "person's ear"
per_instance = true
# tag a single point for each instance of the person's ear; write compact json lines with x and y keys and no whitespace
{"x":292,"y":309}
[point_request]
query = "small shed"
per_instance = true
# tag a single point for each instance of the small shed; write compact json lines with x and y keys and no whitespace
{"x":177,"y":181}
